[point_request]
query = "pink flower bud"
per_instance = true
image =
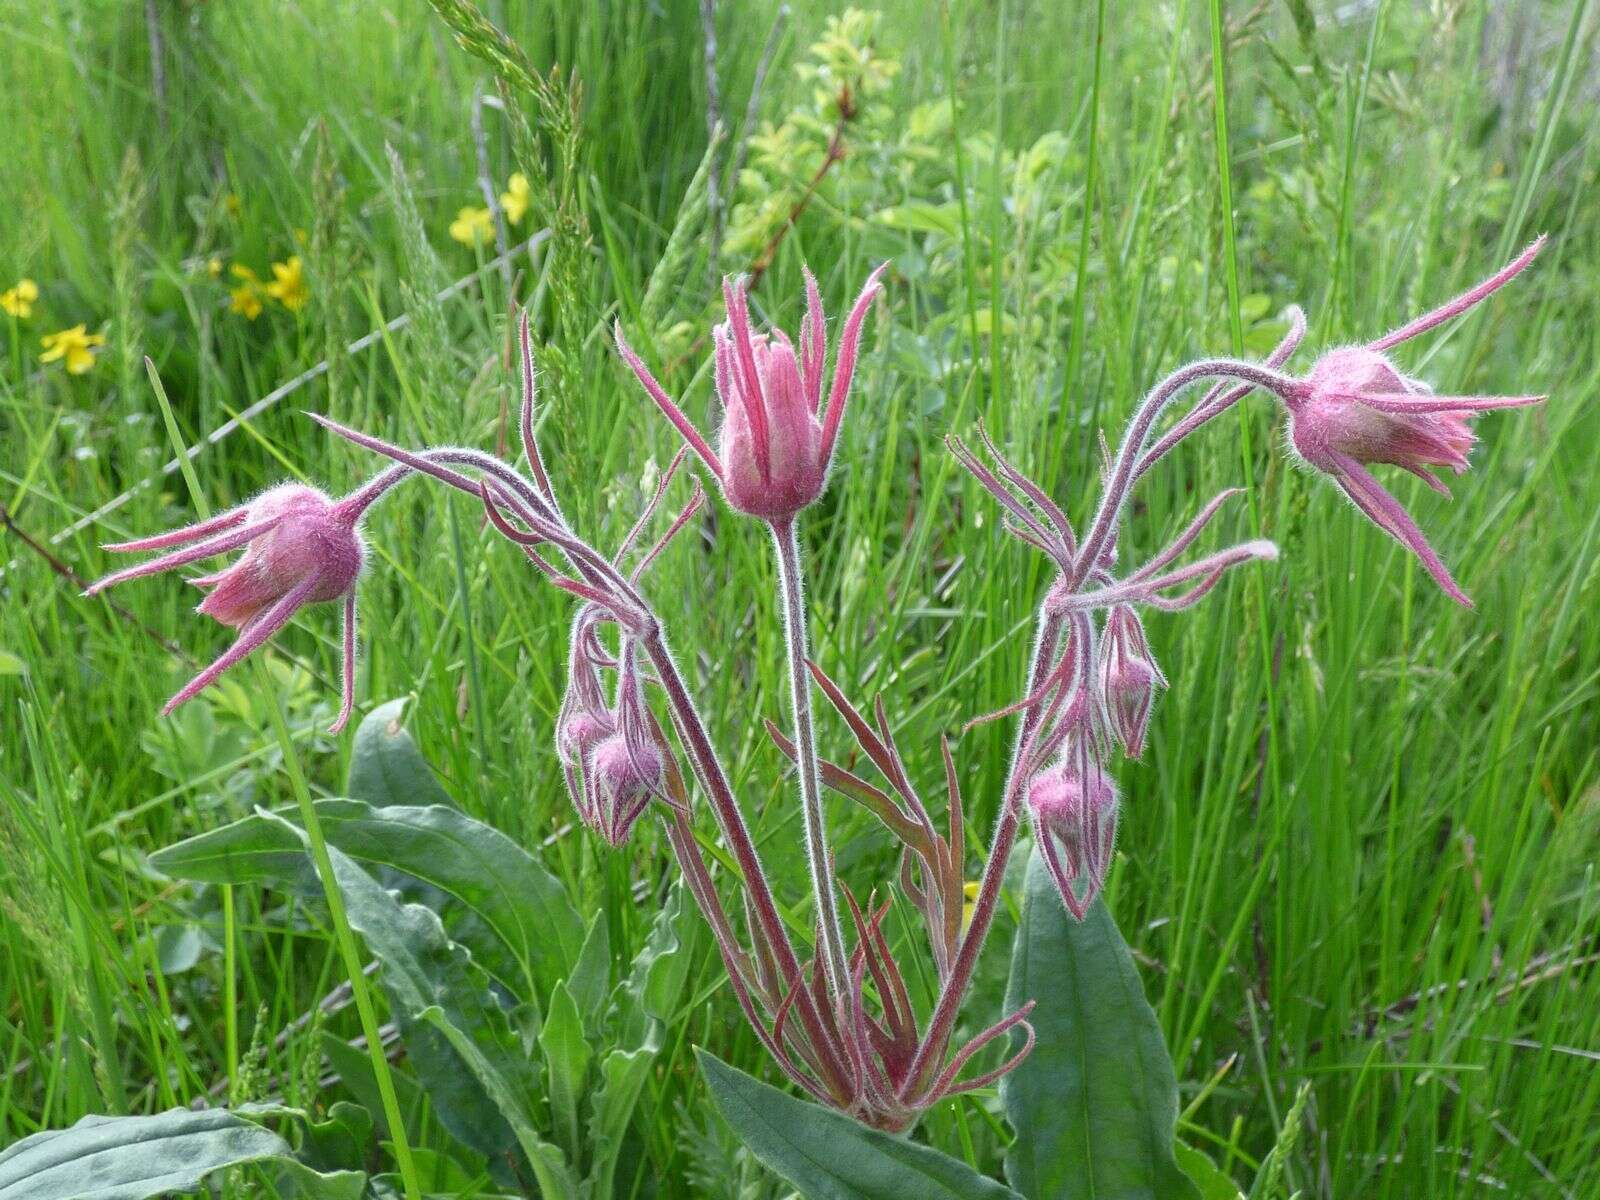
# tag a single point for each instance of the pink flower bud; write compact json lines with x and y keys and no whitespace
{"x":1128,"y":677}
{"x":619,"y":781}
{"x":300,"y":548}
{"x":794,"y":471}
{"x":1355,"y":405}
{"x":1075,"y":824}
{"x":579,"y":732}
{"x":778,"y":438}
{"x":309,"y":543}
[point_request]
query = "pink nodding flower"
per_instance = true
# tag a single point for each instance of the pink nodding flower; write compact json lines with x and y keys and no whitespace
{"x":1128,"y":677}
{"x":1357,"y":408}
{"x":777,"y":440}
{"x":1073,"y":805}
{"x":619,"y":780}
{"x":300,"y":548}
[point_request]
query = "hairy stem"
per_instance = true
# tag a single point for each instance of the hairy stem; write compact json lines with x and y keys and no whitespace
{"x":708,"y":769}
{"x":792,"y":586}
{"x":1122,"y":474}
{"x":948,"y":1006}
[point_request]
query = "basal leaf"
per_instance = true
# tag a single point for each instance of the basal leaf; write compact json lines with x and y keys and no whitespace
{"x":130,"y":1158}
{"x":1095,"y":1103}
{"x":422,"y":969}
{"x":830,"y":1157}
{"x":525,"y":907}
{"x":385,"y":765}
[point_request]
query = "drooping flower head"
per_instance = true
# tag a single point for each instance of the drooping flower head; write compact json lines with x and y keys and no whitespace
{"x":621,"y":779}
{"x":777,"y":441}
{"x":1073,"y":806}
{"x":1128,"y":677}
{"x":1356,"y":408}
{"x":300,"y":547}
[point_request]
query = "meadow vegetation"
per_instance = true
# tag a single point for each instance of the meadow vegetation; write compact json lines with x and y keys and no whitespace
{"x":1356,"y":863}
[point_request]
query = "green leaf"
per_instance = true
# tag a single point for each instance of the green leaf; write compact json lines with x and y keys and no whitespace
{"x":521,"y":904}
{"x":385,"y":765}
{"x":1095,"y":1103}
{"x":1206,"y":1175}
{"x":829,"y":1156}
{"x":591,"y":974}
{"x":423,"y":968}
{"x":354,"y":1069}
{"x":549,"y":1164}
{"x":566,"y":1062}
{"x":640,"y":1004}
{"x":129,"y":1158}
{"x":922,"y":217}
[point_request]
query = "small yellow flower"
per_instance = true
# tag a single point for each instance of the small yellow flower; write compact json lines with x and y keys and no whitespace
{"x":515,"y":198}
{"x":246,"y":298}
{"x":18,"y":300}
{"x":300,"y":235}
{"x":214,"y":267}
{"x":231,"y":203}
{"x":288,"y":286}
{"x":970,"y":891}
{"x":75,"y":345}
{"x":472,"y":226}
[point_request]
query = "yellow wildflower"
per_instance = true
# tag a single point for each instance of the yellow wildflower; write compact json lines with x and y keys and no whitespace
{"x":231,"y":203}
{"x":214,"y":267}
{"x":472,"y":226}
{"x":75,"y":345}
{"x":970,"y":891}
{"x":246,"y":298}
{"x":515,"y":198}
{"x":18,"y":300}
{"x":288,"y":286}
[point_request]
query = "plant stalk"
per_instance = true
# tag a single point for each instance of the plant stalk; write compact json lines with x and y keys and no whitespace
{"x":792,"y":585}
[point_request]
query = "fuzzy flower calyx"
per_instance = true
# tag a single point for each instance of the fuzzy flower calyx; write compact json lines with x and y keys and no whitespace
{"x":1356,"y":408}
{"x":777,"y":440}
{"x":300,"y":548}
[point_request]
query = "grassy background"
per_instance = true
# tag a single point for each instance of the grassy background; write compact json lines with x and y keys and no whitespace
{"x":1360,"y":852}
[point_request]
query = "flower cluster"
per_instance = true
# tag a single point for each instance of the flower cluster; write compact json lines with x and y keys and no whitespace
{"x":249,"y":294}
{"x":838,"y":1016}
{"x":474,"y":224}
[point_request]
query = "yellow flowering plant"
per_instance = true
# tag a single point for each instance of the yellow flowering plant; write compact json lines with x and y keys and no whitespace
{"x":472,"y":226}
{"x":18,"y":300}
{"x":76,"y":347}
{"x":245,"y":299}
{"x":288,"y":286}
{"x":516,"y":198}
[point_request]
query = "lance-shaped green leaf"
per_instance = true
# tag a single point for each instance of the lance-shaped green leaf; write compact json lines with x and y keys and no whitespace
{"x":830,"y":1157}
{"x":422,"y":969}
{"x":1095,"y":1104}
{"x":385,"y":765}
{"x":566,"y":1064}
{"x":528,"y":934}
{"x":642,"y":1003}
{"x":130,"y":1158}
{"x":548,"y":1163}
